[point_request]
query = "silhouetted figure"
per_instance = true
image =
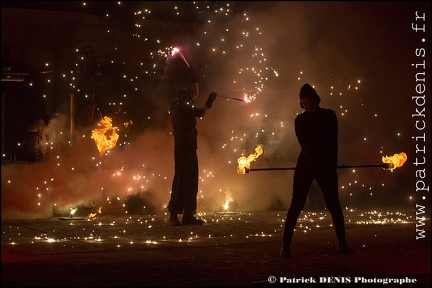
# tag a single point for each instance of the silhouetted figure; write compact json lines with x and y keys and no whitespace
{"x":185,"y":183}
{"x":317,"y":133}
{"x":36,"y":142}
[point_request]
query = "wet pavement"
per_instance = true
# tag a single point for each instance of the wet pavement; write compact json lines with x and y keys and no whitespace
{"x":233,"y":249}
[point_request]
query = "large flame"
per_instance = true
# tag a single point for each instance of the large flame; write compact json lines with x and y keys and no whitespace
{"x":395,"y":161}
{"x":106,"y":136}
{"x":244,"y":162}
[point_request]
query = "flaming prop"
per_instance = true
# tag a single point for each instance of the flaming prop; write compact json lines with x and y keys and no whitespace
{"x":231,"y":98}
{"x":105,"y":137}
{"x":246,"y":98}
{"x":177,"y":51}
{"x":397,"y":160}
{"x":389,"y":163}
{"x":244,"y":162}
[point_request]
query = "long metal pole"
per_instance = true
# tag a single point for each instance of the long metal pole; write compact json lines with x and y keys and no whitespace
{"x":387,"y":166}
{"x":231,"y":98}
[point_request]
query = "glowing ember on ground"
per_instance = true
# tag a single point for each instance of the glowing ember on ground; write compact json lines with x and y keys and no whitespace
{"x":106,"y":136}
{"x":228,"y":199}
{"x":92,"y":215}
{"x":244,"y":162}
{"x":254,"y":224}
{"x":397,"y":160}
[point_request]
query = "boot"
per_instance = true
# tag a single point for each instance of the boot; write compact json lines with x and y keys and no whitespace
{"x":344,"y":248}
{"x":191,"y":220}
{"x":285,"y":251}
{"x":174,"y":220}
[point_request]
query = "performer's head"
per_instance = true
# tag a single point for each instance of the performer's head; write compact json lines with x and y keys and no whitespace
{"x":187,"y":94}
{"x":309,"y":99}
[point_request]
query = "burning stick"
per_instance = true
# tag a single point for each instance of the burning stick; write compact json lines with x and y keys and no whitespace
{"x":389,"y":163}
{"x":397,"y":160}
{"x":177,"y":51}
{"x":386,"y":166}
{"x":184,"y":59}
{"x":231,"y":98}
{"x":246,"y":98}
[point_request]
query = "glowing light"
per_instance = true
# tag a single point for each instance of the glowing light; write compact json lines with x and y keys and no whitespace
{"x":397,"y":160}
{"x":106,"y":136}
{"x":244,"y":162}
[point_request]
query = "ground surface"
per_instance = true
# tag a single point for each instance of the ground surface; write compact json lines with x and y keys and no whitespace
{"x":236,"y":249}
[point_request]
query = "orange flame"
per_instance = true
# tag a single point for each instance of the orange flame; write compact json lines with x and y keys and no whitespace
{"x":105,"y":137}
{"x":395,"y":161}
{"x":244,"y":162}
{"x":91,"y":215}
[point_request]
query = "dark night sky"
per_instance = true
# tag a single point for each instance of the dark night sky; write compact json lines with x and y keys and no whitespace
{"x":358,"y":55}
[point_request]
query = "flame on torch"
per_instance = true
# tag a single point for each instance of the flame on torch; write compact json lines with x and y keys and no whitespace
{"x":176,"y":50}
{"x":395,"y":161}
{"x":106,"y":136}
{"x":244,"y":162}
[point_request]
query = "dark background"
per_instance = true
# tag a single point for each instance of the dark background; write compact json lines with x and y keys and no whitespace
{"x":358,"y":55}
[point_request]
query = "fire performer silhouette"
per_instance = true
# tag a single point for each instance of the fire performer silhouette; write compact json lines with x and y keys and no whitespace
{"x":317,"y":133}
{"x":185,"y":183}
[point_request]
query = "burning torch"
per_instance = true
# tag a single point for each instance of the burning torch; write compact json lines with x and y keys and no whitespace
{"x":389,"y":163}
{"x":177,"y":51}
{"x":246,"y":98}
{"x":231,"y":98}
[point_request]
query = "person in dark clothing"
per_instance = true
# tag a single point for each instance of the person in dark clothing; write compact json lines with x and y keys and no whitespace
{"x":317,"y":133}
{"x":185,"y":183}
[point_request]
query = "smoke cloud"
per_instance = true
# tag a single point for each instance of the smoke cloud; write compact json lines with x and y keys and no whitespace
{"x":350,"y":52}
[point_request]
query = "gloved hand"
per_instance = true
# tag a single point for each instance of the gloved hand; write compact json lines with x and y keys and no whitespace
{"x":210,"y":99}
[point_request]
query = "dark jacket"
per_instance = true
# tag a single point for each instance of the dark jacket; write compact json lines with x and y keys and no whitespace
{"x":183,"y":120}
{"x":317,"y":134}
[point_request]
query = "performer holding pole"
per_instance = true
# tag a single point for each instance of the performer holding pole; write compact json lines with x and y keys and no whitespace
{"x":183,"y":198}
{"x":317,"y":133}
